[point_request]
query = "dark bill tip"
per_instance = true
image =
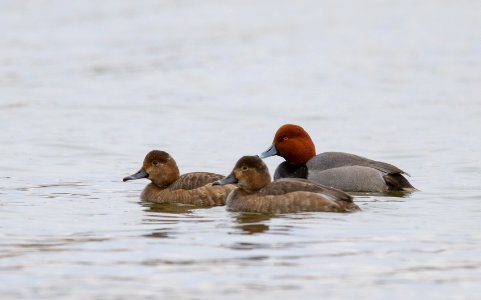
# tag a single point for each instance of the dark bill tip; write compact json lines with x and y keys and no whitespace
{"x":269,"y":152}
{"x":140,"y":174}
{"x":226,"y":180}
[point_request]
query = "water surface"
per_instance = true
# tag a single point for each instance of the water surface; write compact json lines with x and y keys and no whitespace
{"x":87,"y":88}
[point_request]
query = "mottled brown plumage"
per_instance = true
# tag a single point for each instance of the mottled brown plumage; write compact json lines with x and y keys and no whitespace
{"x":256,"y":192}
{"x":169,"y":187}
{"x":194,"y":180}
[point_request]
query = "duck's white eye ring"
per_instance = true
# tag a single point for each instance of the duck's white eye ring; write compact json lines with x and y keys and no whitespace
{"x":244,"y":168}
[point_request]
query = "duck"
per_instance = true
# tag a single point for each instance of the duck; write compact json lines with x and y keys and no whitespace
{"x":257,"y":193}
{"x":168,"y":186}
{"x":344,"y":171}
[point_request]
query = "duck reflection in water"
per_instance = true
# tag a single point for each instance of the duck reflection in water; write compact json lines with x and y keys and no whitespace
{"x":252,"y":223}
{"x":167,"y":214}
{"x":169,"y":208}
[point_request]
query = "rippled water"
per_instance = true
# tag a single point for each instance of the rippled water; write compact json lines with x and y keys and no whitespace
{"x":87,"y":88}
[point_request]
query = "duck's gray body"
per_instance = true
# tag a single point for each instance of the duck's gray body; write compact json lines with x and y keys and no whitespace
{"x":348,"y":172}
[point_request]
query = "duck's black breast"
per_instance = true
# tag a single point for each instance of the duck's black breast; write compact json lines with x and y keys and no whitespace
{"x":286,"y":170}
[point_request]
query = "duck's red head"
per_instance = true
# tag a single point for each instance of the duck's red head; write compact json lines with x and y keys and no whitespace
{"x":293,"y":143}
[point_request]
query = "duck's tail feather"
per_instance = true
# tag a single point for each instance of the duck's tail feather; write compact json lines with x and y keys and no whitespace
{"x":397,"y":182}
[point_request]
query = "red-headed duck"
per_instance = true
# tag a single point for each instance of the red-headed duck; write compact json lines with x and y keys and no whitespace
{"x":344,"y":171}
{"x":256,"y":192}
{"x":168,"y":186}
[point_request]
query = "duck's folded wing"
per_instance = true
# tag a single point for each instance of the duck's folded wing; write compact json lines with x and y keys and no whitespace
{"x":385,"y":167}
{"x":330,"y":160}
{"x":288,"y":185}
{"x":194,"y":180}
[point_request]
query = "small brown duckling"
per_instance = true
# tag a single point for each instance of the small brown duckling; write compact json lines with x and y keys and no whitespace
{"x":168,"y":186}
{"x":256,"y":192}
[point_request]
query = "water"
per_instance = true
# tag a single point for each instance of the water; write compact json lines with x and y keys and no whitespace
{"x":87,"y":88}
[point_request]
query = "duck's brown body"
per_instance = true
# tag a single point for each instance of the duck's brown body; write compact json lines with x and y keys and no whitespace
{"x":169,"y":187}
{"x":256,"y":193}
{"x":191,"y":188}
{"x":290,"y":195}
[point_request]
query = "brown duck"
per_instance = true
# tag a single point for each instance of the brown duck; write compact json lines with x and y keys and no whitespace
{"x":168,"y":186}
{"x":257,"y":193}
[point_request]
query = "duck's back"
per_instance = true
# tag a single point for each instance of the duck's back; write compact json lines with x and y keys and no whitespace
{"x":191,"y":188}
{"x":194,"y":180}
{"x":331,"y":160}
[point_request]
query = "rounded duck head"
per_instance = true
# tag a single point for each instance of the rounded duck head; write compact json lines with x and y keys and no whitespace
{"x":159,"y":167}
{"x":250,"y":173}
{"x":292,"y":143}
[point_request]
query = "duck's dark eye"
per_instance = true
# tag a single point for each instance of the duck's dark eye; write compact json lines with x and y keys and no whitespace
{"x":155,"y":162}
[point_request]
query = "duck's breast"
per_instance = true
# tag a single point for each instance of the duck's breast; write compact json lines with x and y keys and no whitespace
{"x":286,"y":170}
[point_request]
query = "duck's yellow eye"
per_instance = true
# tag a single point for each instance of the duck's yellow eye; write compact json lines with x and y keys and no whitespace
{"x":285,"y":138}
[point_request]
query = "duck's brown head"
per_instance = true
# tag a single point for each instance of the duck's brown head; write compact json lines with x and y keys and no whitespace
{"x":250,"y":173}
{"x":159,"y":167}
{"x":293,"y":143}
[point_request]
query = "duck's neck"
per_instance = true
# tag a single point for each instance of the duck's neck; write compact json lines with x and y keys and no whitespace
{"x":159,"y":187}
{"x":167,"y":177}
{"x":256,"y":183}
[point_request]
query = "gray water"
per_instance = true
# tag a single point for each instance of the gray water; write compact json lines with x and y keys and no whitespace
{"x":87,"y":88}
